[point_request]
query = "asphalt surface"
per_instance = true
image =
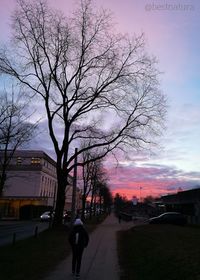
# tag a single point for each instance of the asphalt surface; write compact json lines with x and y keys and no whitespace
{"x":100,"y":260}
{"x":21,"y":229}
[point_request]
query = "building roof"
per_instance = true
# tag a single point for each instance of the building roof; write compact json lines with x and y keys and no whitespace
{"x":183,"y":196}
{"x":31,"y":153}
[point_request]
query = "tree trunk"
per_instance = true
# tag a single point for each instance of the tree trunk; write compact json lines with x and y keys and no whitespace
{"x":60,"y":199}
{"x":95,"y":205}
{"x":83,"y":207}
{"x":100,"y":203}
{"x":2,"y":181}
{"x":91,"y":204}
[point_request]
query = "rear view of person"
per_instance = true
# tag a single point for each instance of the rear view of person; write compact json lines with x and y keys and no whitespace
{"x":78,"y":240}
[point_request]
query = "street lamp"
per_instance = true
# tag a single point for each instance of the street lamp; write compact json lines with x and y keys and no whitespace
{"x":140,"y":194}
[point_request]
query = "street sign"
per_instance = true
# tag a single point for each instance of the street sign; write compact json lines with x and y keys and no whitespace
{"x":134,"y":200}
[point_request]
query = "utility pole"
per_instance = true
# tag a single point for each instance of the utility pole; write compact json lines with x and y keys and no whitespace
{"x":140,"y":195}
{"x":54,"y":197}
{"x":73,"y":209}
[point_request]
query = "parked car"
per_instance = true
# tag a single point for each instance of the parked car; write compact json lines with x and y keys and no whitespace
{"x":67,"y":216}
{"x":46,"y":216}
{"x":174,"y":218}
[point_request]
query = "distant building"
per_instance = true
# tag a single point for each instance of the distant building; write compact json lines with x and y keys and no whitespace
{"x":186,"y":202}
{"x":31,"y":183}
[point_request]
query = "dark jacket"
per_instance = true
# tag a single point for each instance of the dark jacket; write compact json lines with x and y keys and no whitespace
{"x":79,"y":237}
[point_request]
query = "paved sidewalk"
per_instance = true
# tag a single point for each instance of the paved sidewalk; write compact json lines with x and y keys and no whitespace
{"x":100,"y":257}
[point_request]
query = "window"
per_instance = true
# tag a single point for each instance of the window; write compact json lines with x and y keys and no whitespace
{"x":35,"y":160}
{"x":19,"y":161}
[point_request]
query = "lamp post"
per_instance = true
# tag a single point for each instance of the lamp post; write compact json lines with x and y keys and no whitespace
{"x":140,"y":195}
{"x":73,"y":209}
{"x":54,"y":196}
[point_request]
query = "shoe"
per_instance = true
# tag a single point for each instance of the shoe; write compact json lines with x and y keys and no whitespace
{"x":77,"y":276}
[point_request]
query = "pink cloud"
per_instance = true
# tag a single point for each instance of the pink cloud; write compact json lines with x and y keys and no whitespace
{"x":149,"y":180}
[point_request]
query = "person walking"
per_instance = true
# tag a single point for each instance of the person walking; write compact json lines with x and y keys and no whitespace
{"x":119,"y":218}
{"x":78,"y":239}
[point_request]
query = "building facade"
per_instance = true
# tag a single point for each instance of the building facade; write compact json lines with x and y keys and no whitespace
{"x":31,"y":184}
{"x":186,"y":202}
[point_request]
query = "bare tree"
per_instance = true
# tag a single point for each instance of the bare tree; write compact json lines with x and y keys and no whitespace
{"x":87,"y":173}
{"x":15,"y":130}
{"x":94,"y":84}
{"x":93,"y":176}
{"x":98,"y":180}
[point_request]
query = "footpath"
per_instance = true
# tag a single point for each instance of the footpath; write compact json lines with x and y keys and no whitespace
{"x":99,"y":260}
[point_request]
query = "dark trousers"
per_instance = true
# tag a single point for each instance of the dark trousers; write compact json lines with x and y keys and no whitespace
{"x":77,"y":253}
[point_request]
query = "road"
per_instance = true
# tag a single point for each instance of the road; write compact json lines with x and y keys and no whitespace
{"x":22,"y":230}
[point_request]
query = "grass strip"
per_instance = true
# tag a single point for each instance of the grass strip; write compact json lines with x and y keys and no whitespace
{"x":155,"y":252}
{"x":33,"y":258}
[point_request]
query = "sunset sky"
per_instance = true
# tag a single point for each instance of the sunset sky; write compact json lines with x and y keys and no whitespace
{"x":172,"y":33}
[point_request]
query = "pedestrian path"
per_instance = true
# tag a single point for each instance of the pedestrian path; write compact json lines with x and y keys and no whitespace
{"x":100,"y":260}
